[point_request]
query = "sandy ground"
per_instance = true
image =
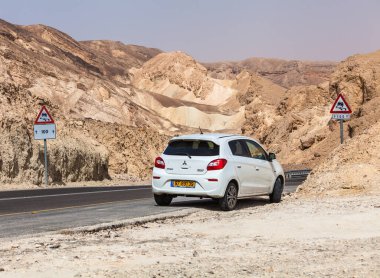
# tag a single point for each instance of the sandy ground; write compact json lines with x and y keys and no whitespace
{"x":337,"y":237}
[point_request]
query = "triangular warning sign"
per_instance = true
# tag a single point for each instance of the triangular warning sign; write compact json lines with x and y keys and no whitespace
{"x":340,"y":106}
{"x":44,"y":117}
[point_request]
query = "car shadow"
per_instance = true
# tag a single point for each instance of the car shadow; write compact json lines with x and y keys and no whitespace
{"x":210,"y":204}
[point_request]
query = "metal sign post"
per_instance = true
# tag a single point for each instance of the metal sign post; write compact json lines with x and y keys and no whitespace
{"x":44,"y":128}
{"x":340,"y":111}
{"x":46,"y":163}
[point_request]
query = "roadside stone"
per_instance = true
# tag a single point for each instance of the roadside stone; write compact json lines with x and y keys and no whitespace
{"x":55,"y":246}
{"x":306,"y":143}
{"x":2,"y":269}
{"x":195,"y":253}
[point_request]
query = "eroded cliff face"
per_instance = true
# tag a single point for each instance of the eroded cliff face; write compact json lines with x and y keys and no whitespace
{"x":351,"y":168}
{"x":305,"y":133}
{"x":72,"y":157}
{"x":83,"y":84}
{"x":260,"y":98}
{"x":182,"y":92}
{"x":281,"y":72}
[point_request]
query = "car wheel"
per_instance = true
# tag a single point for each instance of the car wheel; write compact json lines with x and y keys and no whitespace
{"x":163,"y":200}
{"x":275,"y":196}
{"x":229,"y":200}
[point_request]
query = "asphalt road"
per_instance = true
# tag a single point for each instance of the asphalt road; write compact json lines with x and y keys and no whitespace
{"x":25,"y":212}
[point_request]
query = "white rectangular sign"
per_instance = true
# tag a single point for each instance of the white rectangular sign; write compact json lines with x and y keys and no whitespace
{"x":46,"y":131}
{"x":340,"y":116}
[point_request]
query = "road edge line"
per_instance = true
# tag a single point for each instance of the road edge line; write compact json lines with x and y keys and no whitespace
{"x":138,"y":221}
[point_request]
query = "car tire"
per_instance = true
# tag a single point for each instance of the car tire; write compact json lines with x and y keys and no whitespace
{"x":275,"y":196}
{"x":163,"y":200}
{"x":229,"y":200}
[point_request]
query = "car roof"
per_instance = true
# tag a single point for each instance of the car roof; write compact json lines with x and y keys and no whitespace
{"x":215,"y":137}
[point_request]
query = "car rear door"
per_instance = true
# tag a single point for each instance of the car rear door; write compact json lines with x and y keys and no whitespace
{"x":263,"y":174}
{"x":243,"y":166}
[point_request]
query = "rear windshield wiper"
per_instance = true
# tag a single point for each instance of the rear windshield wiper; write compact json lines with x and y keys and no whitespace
{"x":182,"y":154}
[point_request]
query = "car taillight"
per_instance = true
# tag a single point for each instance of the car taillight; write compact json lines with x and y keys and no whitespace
{"x":159,"y":163}
{"x":217,"y":164}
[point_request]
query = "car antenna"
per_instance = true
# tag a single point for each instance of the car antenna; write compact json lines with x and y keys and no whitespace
{"x":200,"y":130}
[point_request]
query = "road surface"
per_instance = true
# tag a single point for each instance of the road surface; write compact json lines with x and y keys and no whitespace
{"x":24,"y":212}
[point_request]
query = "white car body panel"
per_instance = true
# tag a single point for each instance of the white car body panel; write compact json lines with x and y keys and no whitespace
{"x":254,"y":176}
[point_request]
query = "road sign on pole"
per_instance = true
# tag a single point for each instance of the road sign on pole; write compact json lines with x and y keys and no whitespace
{"x":340,"y":111}
{"x":44,"y":128}
{"x":43,"y":132}
{"x":44,"y":117}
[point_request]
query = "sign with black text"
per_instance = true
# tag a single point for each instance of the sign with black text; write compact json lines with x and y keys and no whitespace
{"x":45,"y":131}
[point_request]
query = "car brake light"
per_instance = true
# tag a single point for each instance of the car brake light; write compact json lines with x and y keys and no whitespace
{"x":217,"y":164}
{"x":159,"y":163}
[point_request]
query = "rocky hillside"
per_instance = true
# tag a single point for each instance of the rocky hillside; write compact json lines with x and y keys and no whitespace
{"x":89,"y":95}
{"x":72,"y":156}
{"x":180,"y":90}
{"x":355,"y":166}
{"x":350,"y":168}
{"x":115,"y":105}
{"x":305,"y":134}
{"x":284,"y":73}
{"x":118,"y":57}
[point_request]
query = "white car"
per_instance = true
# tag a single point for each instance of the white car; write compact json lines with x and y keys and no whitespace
{"x":219,"y":166}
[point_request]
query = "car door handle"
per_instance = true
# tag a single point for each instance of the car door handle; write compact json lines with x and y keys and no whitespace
{"x":239,"y":166}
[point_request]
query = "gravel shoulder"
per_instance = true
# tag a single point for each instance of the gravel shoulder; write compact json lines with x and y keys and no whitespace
{"x":336,"y":237}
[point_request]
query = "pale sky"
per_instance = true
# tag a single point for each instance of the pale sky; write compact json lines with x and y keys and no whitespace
{"x":215,"y":30}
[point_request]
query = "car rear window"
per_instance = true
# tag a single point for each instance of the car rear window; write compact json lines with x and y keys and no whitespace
{"x":192,"y":148}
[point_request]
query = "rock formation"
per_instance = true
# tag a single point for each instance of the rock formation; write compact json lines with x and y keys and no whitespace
{"x":284,"y":73}
{"x":116,"y":105}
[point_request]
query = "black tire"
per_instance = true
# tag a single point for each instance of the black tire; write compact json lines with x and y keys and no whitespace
{"x":229,"y":200}
{"x":275,"y":196}
{"x":163,"y":200}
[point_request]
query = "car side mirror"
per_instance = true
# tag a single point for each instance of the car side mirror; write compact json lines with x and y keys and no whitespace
{"x":272,"y":156}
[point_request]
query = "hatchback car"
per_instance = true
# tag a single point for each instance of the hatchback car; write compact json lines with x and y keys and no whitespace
{"x":219,"y":166}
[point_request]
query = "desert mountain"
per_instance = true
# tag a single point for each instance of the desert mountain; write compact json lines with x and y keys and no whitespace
{"x":89,"y":96}
{"x":282,"y":72}
{"x":354,"y":166}
{"x":115,"y":105}
{"x":181,"y":91}
{"x":118,"y":57}
{"x":306,"y":135}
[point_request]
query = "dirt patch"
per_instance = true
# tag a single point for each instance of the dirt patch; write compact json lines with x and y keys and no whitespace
{"x":336,"y":237}
{"x":352,"y":168}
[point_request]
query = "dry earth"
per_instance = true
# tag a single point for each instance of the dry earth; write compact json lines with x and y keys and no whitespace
{"x":351,"y":168}
{"x":331,"y":237}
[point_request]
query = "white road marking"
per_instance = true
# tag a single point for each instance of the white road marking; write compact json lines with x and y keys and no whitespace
{"x":68,"y":194}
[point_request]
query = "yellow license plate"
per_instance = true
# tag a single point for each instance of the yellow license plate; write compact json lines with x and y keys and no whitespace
{"x":187,"y":184}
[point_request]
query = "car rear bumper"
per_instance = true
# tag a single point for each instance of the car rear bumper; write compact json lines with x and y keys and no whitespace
{"x":203,"y":186}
